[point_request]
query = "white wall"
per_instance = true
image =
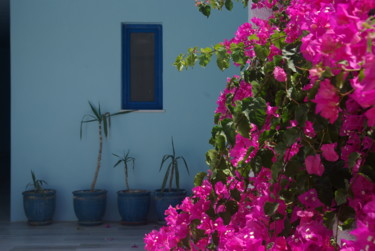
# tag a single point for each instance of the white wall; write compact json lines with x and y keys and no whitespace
{"x":66,"y":52}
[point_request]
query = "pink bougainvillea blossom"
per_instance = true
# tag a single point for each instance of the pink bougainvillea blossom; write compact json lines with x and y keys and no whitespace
{"x":327,"y":101}
{"x":310,"y":199}
{"x":329,"y":153}
{"x":322,"y":53}
{"x":309,"y":129}
{"x":314,"y":165}
{"x":279,"y":74}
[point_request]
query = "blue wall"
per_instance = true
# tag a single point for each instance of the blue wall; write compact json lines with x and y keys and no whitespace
{"x":66,"y":52}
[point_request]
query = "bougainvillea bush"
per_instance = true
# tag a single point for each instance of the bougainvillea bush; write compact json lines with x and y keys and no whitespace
{"x":293,"y":158}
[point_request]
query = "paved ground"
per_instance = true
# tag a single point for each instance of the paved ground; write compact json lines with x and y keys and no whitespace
{"x":68,"y":236}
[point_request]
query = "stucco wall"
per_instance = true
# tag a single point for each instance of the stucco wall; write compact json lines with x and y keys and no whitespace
{"x":66,"y":52}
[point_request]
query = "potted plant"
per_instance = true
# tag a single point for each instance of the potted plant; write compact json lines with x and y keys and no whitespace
{"x":89,"y":204}
{"x":39,"y":203}
{"x":133,"y":205}
{"x":167,"y":195}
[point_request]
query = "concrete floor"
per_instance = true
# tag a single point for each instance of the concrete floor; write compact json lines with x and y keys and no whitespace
{"x":68,"y":236}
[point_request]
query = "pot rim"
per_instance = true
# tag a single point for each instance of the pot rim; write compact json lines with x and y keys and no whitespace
{"x":45,"y":191}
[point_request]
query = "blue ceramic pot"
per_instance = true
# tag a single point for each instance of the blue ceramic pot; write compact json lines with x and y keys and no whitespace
{"x":39,"y":206}
{"x":89,"y":206}
{"x":167,"y":198}
{"x":133,"y":206}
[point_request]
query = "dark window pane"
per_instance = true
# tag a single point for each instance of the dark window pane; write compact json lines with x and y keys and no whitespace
{"x":142,"y":72}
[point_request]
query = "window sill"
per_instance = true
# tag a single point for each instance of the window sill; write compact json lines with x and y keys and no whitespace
{"x":152,"y":111}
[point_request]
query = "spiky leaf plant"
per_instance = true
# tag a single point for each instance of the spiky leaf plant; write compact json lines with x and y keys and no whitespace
{"x":126,"y":160}
{"x":171,"y":163}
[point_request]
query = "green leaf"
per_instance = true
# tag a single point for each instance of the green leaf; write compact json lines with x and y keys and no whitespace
{"x":279,"y":99}
{"x":270,"y":208}
{"x":222,"y":59}
{"x":228,"y":4}
{"x":329,"y":218}
{"x":293,"y":168}
{"x":229,"y":131}
{"x":347,"y":224}
{"x":191,"y":58}
{"x":255,"y":88}
{"x":204,"y":59}
{"x":199,"y":177}
{"x":220,"y":142}
{"x":117,"y":163}
{"x":95,"y":111}
{"x":185,"y":163}
{"x":205,"y":9}
{"x":301,"y":114}
{"x":278,"y":39}
{"x":261,"y":51}
{"x":166,"y":177}
{"x":242,"y":125}
{"x":253,"y":37}
{"x":268,"y":67}
{"x":291,"y":135}
{"x":340,"y":196}
{"x":263,"y":158}
{"x":256,"y":110}
{"x":179,"y":63}
{"x":276,"y":169}
{"x":345,"y":213}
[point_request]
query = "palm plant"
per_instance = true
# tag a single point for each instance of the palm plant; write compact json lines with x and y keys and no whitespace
{"x":126,"y":160}
{"x":36,"y":184}
{"x":172,"y":169}
{"x":104,"y":124}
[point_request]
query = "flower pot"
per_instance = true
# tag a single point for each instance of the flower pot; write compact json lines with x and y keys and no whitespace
{"x":89,"y":206}
{"x":39,"y":206}
{"x":167,"y":198}
{"x":133,"y":206}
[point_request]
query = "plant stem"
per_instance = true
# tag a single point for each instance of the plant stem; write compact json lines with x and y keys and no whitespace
{"x":99,"y":157}
{"x":126,"y":179}
{"x":171,"y":179}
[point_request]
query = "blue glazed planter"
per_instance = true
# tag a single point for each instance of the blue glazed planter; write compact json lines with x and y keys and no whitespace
{"x":133,"y":206}
{"x":39,"y":207}
{"x":89,"y":207}
{"x":165,"y":199}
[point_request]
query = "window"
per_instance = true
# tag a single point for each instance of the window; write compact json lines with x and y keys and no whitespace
{"x":142,"y":67}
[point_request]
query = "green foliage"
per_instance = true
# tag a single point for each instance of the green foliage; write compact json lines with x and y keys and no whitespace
{"x":199,"y":177}
{"x":171,"y":161}
{"x":36,"y":183}
{"x":126,"y":160}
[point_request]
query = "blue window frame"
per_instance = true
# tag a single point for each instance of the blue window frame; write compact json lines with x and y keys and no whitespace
{"x":142,"y":61}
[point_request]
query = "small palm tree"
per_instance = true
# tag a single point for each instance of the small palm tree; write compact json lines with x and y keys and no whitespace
{"x":37,"y":184}
{"x":172,"y":169}
{"x":125,"y":159}
{"x":104,"y":124}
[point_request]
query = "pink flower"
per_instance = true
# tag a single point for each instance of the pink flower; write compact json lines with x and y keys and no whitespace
{"x":310,"y":200}
{"x":327,"y":101}
{"x":221,"y":190}
{"x":329,"y":152}
{"x":279,"y":74}
{"x":293,"y":150}
{"x":309,"y":129}
{"x":370,"y":114}
{"x":314,"y":165}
